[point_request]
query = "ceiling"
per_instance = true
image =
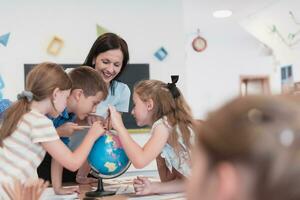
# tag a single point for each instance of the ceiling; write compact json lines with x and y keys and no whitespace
{"x":240,"y":8}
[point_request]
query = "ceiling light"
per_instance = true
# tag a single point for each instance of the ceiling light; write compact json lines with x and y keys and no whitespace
{"x":222,"y":13}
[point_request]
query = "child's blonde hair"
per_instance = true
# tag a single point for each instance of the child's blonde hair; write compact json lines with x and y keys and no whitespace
{"x":41,"y":82}
{"x":175,"y":108}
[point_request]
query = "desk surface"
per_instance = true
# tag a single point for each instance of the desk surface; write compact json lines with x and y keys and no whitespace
{"x":49,"y":195}
{"x":123,"y":185}
{"x":87,"y":188}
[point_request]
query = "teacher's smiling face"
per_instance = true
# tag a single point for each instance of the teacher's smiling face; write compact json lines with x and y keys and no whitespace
{"x":109,"y":64}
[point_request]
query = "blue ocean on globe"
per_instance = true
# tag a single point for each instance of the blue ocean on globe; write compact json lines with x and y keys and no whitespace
{"x":107,"y":157}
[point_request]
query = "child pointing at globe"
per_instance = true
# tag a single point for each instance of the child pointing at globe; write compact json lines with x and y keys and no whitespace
{"x":163,"y":107}
{"x":27,"y":133}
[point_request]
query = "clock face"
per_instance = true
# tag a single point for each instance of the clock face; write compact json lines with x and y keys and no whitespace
{"x":199,"y":44}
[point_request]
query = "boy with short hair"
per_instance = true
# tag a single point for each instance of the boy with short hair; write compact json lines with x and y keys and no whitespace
{"x":88,"y":90}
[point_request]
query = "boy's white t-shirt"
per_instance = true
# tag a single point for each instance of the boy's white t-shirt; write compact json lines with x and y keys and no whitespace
{"x":22,"y":151}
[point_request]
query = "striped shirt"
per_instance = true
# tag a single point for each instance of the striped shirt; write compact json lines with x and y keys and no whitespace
{"x":22,"y":151}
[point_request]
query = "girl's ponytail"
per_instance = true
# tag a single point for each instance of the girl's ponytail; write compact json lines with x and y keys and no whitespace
{"x":12,"y":115}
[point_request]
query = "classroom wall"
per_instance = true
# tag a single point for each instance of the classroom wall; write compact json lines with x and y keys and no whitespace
{"x":285,"y":16}
{"x":239,"y":45}
{"x":145,"y":25}
{"x":231,"y":52}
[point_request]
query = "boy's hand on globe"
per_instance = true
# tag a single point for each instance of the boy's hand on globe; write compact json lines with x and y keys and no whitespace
{"x":142,"y":186}
{"x":116,"y":119}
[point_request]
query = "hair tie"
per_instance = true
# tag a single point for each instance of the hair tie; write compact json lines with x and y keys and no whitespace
{"x":172,"y":86}
{"x":25,"y":94}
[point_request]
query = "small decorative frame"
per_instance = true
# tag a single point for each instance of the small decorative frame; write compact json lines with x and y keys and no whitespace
{"x":199,"y":43}
{"x":55,"y":46}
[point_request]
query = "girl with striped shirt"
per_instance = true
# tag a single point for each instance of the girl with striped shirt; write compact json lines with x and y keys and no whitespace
{"x":27,"y":133}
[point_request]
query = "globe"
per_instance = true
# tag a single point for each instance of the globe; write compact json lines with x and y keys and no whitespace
{"x":107,"y":159}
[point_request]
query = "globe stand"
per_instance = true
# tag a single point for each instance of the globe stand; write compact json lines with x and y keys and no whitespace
{"x":100,"y":191}
{"x":98,"y":159}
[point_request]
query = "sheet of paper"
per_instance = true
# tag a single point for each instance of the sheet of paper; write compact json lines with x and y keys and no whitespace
{"x":127,"y":179}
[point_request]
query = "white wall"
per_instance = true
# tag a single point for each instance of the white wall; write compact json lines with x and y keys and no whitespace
{"x":145,"y":25}
{"x":285,"y":49}
{"x":214,"y":75}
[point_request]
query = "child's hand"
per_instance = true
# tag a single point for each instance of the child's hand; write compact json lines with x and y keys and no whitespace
{"x":93,"y":118}
{"x":33,"y":189}
{"x":85,"y":180}
{"x":82,"y":174}
{"x":116,"y":119}
{"x":97,"y":129}
{"x":67,"y":129}
{"x":142,"y":186}
{"x":66,"y":190}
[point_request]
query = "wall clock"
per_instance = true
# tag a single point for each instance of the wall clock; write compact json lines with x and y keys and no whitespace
{"x":199,"y":44}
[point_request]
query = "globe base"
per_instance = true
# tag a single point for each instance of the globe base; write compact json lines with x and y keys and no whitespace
{"x":99,"y":193}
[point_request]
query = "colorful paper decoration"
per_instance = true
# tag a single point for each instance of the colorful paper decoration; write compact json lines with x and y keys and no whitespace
{"x":101,"y":30}
{"x":4,"y":39}
{"x":161,"y":53}
{"x":55,"y":46}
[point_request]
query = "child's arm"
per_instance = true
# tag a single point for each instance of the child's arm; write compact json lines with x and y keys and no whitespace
{"x":143,"y":186}
{"x":82,"y":174}
{"x":73,"y":160}
{"x":164,"y":173}
{"x":67,"y":129}
{"x":56,"y":178}
{"x":139,"y":156}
